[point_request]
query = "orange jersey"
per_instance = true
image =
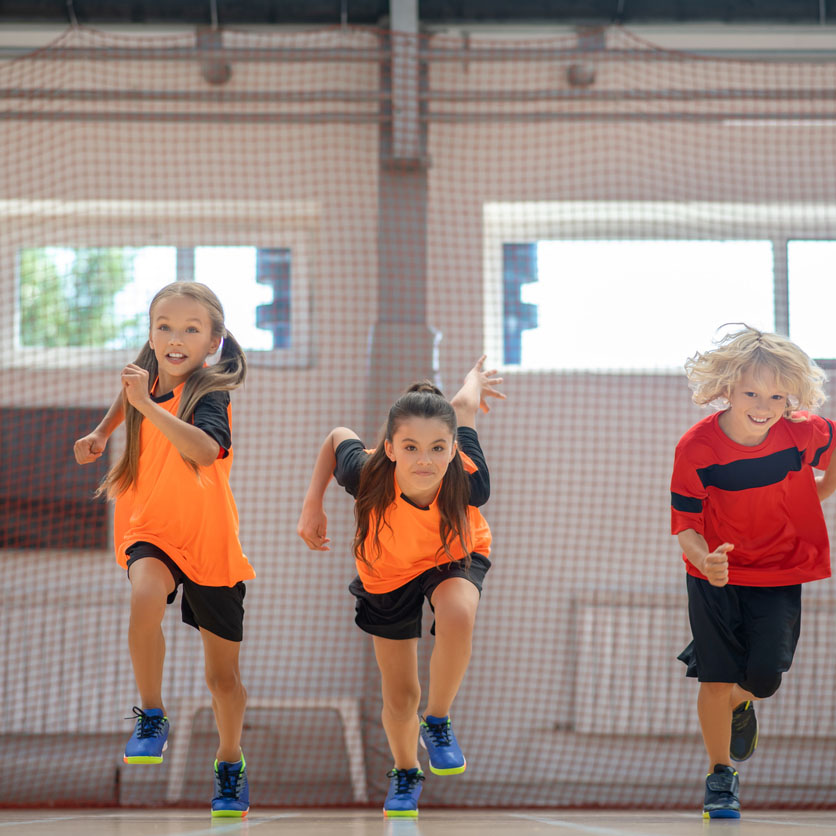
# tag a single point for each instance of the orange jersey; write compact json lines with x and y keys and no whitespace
{"x":409,"y":544}
{"x":191,"y":517}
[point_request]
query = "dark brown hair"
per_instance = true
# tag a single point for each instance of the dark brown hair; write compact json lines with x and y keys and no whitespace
{"x":228,"y":373}
{"x":376,"y":490}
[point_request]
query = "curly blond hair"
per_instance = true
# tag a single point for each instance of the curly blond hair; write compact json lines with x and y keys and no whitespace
{"x":712,"y":375}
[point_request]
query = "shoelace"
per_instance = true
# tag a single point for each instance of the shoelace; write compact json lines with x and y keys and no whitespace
{"x":440,"y":733}
{"x":406,"y":781}
{"x":148,"y":726}
{"x":229,"y":781}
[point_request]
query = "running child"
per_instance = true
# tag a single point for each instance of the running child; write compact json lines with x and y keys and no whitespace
{"x":419,"y":535}
{"x":746,"y":508}
{"x":175,"y":521}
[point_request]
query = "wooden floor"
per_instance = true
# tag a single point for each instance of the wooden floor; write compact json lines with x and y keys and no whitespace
{"x":431,"y":823}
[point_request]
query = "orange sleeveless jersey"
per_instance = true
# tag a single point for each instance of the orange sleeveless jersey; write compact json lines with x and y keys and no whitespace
{"x":192,"y":518}
{"x":410,"y":546}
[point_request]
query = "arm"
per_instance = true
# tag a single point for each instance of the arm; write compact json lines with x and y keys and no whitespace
{"x":190,"y":441}
{"x":92,"y":446}
{"x":480,"y":480}
{"x":478,"y":385}
{"x":714,"y":565}
{"x":821,"y":458}
{"x":313,"y":523}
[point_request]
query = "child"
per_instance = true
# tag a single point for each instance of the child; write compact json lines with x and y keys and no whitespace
{"x":746,"y":510}
{"x":419,"y":534}
{"x":175,"y":520}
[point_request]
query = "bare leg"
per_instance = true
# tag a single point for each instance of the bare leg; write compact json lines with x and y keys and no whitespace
{"x":455,"y":602}
{"x":715,"y":704}
{"x":229,"y":697}
{"x":151,"y":584}
{"x":739,"y":696}
{"x":398,"y":663}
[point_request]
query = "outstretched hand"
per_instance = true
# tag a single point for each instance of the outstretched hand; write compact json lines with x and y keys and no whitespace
{"x":482,"y":383}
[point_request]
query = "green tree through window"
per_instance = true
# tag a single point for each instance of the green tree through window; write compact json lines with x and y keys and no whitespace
{"x":67,"y":297}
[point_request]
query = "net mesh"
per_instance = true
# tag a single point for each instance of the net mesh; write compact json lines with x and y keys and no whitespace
{"x":391,"y":207}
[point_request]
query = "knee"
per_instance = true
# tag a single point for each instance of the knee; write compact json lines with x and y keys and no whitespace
{"x":762,"y":682}
{"x":402,"y":702}
{"x":455,"y":619}
{"x":224,"y":683}
{"x":147,"y":605}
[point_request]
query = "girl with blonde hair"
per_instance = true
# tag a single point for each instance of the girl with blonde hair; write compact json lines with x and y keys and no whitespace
{"x":175,"y":521}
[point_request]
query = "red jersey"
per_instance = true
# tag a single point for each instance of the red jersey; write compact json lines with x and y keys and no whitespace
{"x":761,"y":499}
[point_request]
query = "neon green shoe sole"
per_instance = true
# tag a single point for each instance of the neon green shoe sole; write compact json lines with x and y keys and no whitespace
{"x":400,"y":814}
{"x":146,"y":759}
{"x":456,"y":770}
{"x":229,"y":814}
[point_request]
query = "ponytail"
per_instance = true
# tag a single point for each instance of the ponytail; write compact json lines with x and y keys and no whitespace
{"x":123,"y":474}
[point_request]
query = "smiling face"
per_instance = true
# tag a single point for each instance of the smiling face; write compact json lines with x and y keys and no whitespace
{"x":181,"y":337}
{"x":756,"y":404}
{"x":422,"y":449}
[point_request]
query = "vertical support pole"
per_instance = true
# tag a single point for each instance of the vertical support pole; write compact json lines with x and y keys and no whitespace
{"x":782,"y":286}
{"x":402,"y":347}
{"x":185,"y":264}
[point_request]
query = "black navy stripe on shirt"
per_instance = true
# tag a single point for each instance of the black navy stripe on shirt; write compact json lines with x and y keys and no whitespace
{"x":743,"y":474}
{"x":823,"y":449}
{"x":686,"y":504}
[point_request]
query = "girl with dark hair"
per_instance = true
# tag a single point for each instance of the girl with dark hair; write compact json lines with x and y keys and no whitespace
{"x":419,"y":535}
{"x":175,"y":520}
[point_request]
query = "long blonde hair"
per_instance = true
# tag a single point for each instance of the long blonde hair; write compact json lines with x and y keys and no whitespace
{"x":227,"y":374}
{"x":714,"y":374}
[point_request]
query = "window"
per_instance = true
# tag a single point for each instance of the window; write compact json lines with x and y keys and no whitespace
{"x":81,"y":293}
{"x":99,"y":297}
{"x":634,"y":304}
{"x":603,"y":286}
{"x":811,"y":267}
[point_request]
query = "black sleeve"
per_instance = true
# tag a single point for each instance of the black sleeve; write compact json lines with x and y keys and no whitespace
{"x":480,"y":481}
{"x":351,"y":456}
{"x":210,"y":415}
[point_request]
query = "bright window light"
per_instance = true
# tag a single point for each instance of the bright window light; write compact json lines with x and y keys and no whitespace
{"x":811,"y":266}
{"x":641,"y":304}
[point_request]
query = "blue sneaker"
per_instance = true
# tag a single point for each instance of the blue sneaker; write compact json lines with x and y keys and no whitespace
{"x":437,"y":738}
{"x":404,"y":789}
{"x":721,"y":793}
{"x":744,"y":732}
{"x":149,"y":740}
{"x":232,"y":790}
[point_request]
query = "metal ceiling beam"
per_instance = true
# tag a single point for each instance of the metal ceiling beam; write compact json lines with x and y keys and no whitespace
{"x":428,"y":53}
{"x":429,"y":96}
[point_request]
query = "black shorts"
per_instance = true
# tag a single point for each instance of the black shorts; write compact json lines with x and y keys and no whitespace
{"x":742,"y":634}
{"x":218,"y":609}
{"x":397,"y":614}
